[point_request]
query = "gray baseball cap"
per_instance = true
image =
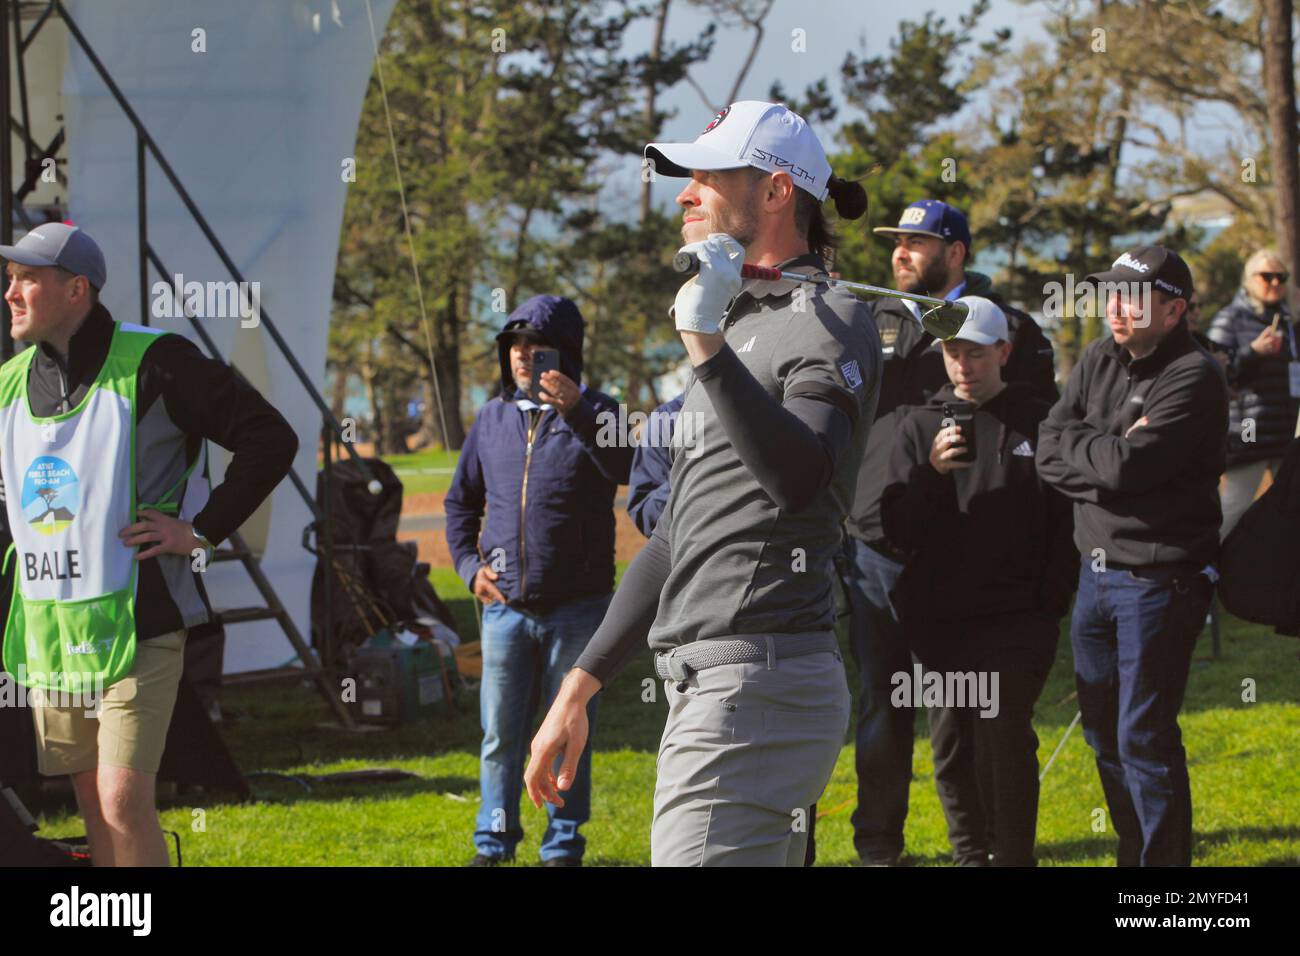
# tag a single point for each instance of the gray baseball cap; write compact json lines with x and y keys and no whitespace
{"x":985,"y":322}
{"x":58,"y":244}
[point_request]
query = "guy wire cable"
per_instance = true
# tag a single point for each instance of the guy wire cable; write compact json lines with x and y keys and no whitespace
{"x":406,"y":220}
{"x":410,"y":244}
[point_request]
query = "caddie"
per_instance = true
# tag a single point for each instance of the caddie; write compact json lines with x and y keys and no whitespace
{"x":734,"y":588}
{"x":106,"y":497}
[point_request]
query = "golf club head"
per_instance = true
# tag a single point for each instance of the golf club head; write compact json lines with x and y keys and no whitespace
{"x":945,"y":321}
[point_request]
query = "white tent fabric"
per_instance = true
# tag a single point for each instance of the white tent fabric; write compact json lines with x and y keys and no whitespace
{"x":257,"y":114}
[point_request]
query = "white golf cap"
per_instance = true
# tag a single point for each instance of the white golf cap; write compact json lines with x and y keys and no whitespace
{"x":985,"y":323}
{"x":750,"y":133}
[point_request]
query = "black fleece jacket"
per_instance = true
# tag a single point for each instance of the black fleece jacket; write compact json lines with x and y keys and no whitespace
{"x":1145,"y":495}
{"x":990,"y":539}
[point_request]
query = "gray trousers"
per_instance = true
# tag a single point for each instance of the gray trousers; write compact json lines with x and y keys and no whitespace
{"x":746,"y":751}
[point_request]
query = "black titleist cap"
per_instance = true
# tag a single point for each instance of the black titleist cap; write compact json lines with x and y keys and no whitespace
{"x":1165,"y":270}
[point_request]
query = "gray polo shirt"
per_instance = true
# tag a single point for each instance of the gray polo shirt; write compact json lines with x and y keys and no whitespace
{"x":740,"y":564}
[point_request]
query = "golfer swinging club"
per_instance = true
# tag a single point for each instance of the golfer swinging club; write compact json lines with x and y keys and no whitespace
{"x":733,"y":590}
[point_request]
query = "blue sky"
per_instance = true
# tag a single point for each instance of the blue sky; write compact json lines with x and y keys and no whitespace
{"x":832,"y":28}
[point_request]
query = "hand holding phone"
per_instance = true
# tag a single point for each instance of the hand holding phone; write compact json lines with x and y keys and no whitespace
{"x":962,"y":414}
{"x":544,"y":360}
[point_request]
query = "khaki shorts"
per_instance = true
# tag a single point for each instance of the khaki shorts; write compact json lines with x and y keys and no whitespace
{"x":131,"y":729}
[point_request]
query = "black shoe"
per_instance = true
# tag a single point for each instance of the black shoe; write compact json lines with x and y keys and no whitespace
{"x":563,"y":861}
{"x":481,"y":859}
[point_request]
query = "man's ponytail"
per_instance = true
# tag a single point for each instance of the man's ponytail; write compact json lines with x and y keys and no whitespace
{"x":850,"y":203}
{"x":850,"y":198}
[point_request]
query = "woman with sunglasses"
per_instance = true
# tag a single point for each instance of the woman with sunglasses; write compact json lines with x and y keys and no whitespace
{"x":1256,"y":328}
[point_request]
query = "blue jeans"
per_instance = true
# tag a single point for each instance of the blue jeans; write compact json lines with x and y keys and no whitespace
{"x":1133,"y":636}
{"x":883,"y":747}
{"x":525,"y":656}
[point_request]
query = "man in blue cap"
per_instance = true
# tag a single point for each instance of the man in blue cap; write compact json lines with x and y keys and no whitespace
{"x":932,"y":247}
{"x":102,"y":429}
{"x":542,"y":562}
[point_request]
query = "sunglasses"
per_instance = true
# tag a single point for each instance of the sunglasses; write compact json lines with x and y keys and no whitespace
{"x":1273,"y":276}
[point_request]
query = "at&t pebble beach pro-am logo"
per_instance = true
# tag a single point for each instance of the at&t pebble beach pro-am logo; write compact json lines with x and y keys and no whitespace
{"x":51,"y":495}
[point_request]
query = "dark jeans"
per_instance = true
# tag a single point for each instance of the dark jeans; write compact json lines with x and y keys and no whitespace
{"x":883,"y":752}
{"x":1133,"y":636}
{"x":986,"y":767}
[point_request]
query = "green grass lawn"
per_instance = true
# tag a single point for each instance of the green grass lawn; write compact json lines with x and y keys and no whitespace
{"x":424,"y":471}
{"x":1245,"y":779}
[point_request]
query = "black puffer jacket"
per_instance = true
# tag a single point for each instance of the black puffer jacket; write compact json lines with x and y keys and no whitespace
{"x":1260,"y":382}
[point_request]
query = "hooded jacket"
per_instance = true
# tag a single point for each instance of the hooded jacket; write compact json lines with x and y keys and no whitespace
{"x":546,"y":481}
{"x":913,"y":372}
{"x":652,"y":466}
{"x":990,"y":539}
{"x":1261,"y":384}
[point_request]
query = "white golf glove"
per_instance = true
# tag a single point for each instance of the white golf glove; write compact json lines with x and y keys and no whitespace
{"x":702,"y":300}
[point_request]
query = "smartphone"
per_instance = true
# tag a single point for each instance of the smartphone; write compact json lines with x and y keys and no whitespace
{"x":962,"y":414}
{"x":544,"y":360}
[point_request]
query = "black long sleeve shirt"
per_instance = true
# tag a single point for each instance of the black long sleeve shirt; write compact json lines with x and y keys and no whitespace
{"x":203,"y":399}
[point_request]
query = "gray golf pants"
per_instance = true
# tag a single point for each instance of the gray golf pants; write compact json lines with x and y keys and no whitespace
{"x":746,"y":751}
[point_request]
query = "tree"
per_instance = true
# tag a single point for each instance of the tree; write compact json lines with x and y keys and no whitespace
{"x":1191,"y":72}
{"x":1279,"y":81}
{"x":498,"y":111}
{"x":896,"y":147}
{"x":662,"y":68}
{"x":1052,"y":193}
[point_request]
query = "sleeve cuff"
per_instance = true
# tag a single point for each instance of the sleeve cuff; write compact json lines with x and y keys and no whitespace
{"x":715,"y":365}
{"x":467,"y":569}
{"x":211,"y":538}
{"x":588,"y":664}
{"x":582,"y":419}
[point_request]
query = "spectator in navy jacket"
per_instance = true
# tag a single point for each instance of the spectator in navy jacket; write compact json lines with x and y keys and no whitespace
{"x":649,"y":486}
{"x":542,"y":563}
{"x":1262,"y":417}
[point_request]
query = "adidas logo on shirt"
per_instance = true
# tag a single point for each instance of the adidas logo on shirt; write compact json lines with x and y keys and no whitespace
{"x":748,"y":346}
{"x":1024,"y":449}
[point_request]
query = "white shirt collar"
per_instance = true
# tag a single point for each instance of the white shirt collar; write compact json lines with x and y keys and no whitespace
{"x":952,"y":296}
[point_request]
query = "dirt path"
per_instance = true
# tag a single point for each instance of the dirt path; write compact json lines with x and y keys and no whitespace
{"x":433,"y":542}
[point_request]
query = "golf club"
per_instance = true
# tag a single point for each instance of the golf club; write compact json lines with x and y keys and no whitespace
{"x":943,"y":320}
